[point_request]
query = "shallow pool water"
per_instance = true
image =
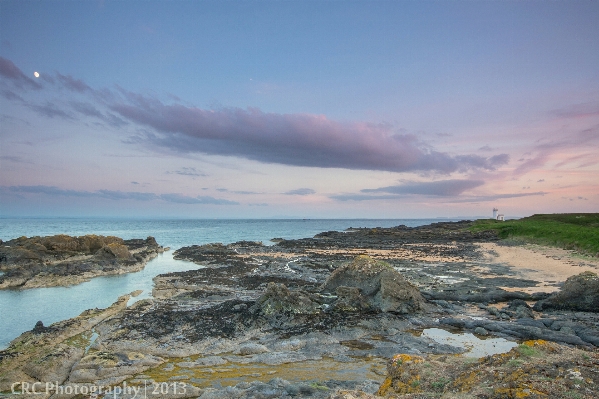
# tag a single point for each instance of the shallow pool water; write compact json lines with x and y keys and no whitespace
{"x":474,"y":346}
{"x":21,"y":309}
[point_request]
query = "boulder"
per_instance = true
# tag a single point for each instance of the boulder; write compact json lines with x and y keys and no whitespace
{"x":112,"y":251}
{"x":579,"y":293}
{"x":278,"y":299}
{"x":383,"y":287}
{"x":349,"y":299}
{"x":91,"y":243}
{"x":60,"y":242}
{"x":521,"y":309}
{"x":363,"y":273}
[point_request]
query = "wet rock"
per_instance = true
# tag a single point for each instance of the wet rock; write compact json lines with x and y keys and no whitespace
{"x":520,"y":309}
{"x":383,"y":287}
{"x":579,"y":293}
{"x":521,"y":329}
{"x":481,"y":331}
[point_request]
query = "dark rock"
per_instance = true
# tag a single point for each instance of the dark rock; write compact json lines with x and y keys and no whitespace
{"x":521,"y":309}
{"x":39,"y":327}
{"x":579,"y":293}
{"x":531,"y":323}
{"x":279,"y":299}
{"x":537,"y":296}
{"x":113,"y":251}
{"x":524,"y":329}
{"x":559,"y":325}
{"x":481,"y":331}
{"x":469,"y":293}
{"x":493,"y":310}
{"x":349,"y":299}
{"x":137,"y":243}
{"x":385,"y":288}
{"x":589,"y":335}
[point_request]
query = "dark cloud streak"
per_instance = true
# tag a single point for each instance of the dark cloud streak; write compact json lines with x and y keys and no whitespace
{"x":470,"y":199}
{"x":115,"y":195}
{"x":73,"y":84}
{"x":291,"y":139}
{"x":301,"y":191}
{"x":487,"y":198}
{"x":183,"y":199}
{"x":9,"y":70}
{"x":50,"y":110}
{"x":442,"y":188}
{"x":187,"y":171}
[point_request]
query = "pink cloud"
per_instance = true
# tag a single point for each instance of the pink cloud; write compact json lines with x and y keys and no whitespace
{"x":292,"y":139}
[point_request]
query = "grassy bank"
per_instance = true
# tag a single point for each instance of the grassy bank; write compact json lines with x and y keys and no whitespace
{"x":578,"y":231}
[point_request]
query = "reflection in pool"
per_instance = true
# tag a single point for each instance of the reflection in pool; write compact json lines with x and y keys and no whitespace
{"x":474,"y":346}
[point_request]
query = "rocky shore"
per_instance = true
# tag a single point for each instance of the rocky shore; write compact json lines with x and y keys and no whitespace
{"x":340,"y":315}
{"x":63,"y":260}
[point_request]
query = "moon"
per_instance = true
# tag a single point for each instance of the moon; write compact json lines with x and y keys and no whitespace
{"x":37,"y":75}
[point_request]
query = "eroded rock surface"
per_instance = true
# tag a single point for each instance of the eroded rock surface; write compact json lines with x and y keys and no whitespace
{"x":317,"y":317}
{"x":63,"y":260}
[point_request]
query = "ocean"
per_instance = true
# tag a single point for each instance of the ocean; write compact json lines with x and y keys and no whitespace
{"x":20,"y":310}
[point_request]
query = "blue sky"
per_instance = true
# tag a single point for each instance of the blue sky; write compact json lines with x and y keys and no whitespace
{"x":298,"y":109}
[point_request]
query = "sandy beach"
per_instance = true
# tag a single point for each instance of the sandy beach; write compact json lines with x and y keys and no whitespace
{"x":550,"y":266}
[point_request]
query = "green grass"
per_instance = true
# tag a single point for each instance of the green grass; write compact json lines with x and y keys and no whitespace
{"x":527,"y":351}
{"x":577,"y":231}
{"x":514,"y":363}
{"x":440,"y":384}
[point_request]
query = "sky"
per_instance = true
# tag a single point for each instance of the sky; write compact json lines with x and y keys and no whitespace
{"x":294,"y":109}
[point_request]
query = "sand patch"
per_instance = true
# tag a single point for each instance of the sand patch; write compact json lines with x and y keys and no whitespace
{"x":548,"y":265}
{"x":406,"y":253}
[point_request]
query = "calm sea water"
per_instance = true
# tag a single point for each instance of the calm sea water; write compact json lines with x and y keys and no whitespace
{"x":20,"y":310}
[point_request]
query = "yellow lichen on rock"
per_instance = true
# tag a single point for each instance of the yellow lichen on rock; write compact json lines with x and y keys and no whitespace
{"x":405,"y":358}
{"x":519,"y":392}
{"x":119,"y":250}
{"x":384,"y":388}
{"x":535,"y":369}
{"x":404,"y":376}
